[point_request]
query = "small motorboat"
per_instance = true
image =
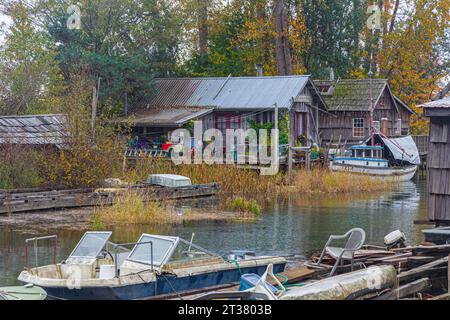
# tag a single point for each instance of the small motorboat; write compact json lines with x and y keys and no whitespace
{"x":389,"y":159}
{"x":156,"y":265}
{"x":26,"y":292}
{"x":437,"y":235}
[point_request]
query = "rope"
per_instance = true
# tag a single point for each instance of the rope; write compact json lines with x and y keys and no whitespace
{"x":170,"y":284}
{"x":237,"y":265}
{"x":286,"y":280}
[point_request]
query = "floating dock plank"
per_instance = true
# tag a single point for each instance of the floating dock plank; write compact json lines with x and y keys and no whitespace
{"x":47,"y":200}
{"x":297,"y":275}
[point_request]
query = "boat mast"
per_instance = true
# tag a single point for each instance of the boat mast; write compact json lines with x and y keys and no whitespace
{"x":371,"y":102}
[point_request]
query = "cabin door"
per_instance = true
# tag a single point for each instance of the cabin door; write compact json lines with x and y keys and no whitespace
{"x":385,"y":127}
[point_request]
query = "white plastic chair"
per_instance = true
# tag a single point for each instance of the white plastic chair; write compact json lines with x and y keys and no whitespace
{"x":356,"y":238}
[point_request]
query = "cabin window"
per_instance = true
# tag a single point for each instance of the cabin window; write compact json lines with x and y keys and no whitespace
{"x":358,"y":127}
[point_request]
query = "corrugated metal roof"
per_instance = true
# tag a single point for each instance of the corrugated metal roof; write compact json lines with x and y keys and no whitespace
{"x":351,"y":95}
{"x":442,"y":103}
{"x":33,"y":129}
{"x":167,"y":117}
{"x":229,"y":93}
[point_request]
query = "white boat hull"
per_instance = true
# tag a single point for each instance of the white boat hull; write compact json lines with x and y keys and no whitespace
{"x":385,"y":173}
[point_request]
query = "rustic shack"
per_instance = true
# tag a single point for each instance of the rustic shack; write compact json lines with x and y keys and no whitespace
{"x":33,"y":130}
{"x":229,"y":103}
{"x":439,"y":161}
{"x":349,"y":103}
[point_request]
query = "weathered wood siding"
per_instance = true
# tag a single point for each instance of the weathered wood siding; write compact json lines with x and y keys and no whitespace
{"x":439,"y":170}
{"x":340,"y":123}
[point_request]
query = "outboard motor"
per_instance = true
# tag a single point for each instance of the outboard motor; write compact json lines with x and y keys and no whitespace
{"x":395,"y":239}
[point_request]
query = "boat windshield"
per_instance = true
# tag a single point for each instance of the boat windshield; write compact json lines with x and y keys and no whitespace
{"x":163,"y":248}
{"x":91,"y":244}
{"x":187,"y":251}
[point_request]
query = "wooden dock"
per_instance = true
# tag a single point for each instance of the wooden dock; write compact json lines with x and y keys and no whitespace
{"x":24,"y":201}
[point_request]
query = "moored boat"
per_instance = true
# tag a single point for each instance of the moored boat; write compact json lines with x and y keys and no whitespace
{"x":437,"y":236}
{"x":156,"y":265}
{"x":26,"y":292}
{"x":389,"y":159}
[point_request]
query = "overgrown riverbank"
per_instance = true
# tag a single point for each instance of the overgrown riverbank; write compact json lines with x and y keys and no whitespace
{"x":130,"y":208}
{"x":243,"y":192}
{"x":248,"y":183}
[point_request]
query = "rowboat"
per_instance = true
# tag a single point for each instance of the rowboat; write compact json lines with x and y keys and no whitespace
{"x":98,"y":269}
{"x":27,"y":292}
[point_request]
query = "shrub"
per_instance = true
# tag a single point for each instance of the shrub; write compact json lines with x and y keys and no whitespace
{"x":244,"y":206}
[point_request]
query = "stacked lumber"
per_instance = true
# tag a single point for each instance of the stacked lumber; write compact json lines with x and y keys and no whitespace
{"x":421,"y":270}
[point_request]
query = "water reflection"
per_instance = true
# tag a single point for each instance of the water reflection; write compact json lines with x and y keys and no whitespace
{"x":297,"y":225}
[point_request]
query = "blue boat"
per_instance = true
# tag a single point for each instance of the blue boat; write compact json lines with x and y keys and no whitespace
{"x":98,"y":269}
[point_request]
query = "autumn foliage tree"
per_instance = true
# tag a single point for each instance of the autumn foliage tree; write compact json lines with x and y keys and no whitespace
{"x":412,"y":55}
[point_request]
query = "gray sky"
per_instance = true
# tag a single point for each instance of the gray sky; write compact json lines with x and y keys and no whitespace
{"x":3,"y":20}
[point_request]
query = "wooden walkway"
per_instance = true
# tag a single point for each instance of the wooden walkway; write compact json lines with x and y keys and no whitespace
{"x":22,"y":201}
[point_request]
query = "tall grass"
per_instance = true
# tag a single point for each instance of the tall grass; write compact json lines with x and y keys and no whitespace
{"x":233,"y":181}
{"x":325,"y":181}
{"x":249,"y":184}
{"x":244,"y":206}
{"x":130,"y":208}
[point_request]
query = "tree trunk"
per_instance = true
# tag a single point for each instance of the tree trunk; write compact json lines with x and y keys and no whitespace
{"x":394,"y":16}
{"x":265,"y":44}
{"x":203,"y":27}
{"x":282,"y":47}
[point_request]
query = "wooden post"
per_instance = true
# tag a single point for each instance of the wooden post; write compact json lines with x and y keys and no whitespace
{"x":124,"y":164}
{"x":308,"y":160}
{"x":94,"y":108}
{"x":291,"y":142}
{"x":276,"y":128}
{"x":94,"y":111}
{"x":276,"y":116}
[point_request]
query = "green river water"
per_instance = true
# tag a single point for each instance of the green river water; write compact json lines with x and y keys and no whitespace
{"x":300,"y":225}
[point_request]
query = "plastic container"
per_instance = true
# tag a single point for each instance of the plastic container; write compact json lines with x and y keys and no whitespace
{"x":249,"y":280}
{"x":169,"y":180}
